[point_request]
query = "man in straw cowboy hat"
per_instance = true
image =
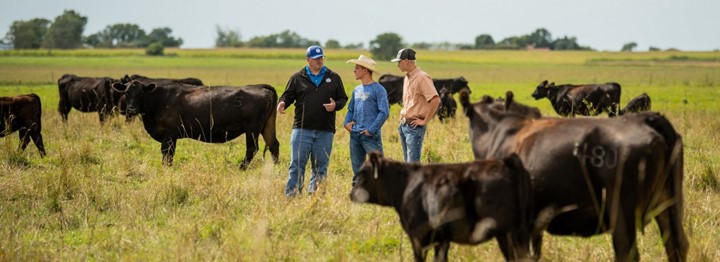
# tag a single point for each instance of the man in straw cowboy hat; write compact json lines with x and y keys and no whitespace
{"x":367,"y":111}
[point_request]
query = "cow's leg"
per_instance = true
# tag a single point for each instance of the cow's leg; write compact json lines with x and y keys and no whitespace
{"x":676,"y":243}
{"x":24,"y":138}
{"x":167,"y":148}
{"x":441,"y":251}
{"x":624,"y":235}
{"x":505,"y":244}
{"x":418,"y":251}
{"x":64,"y":108}
{"x":251,"y":141}
{"x":38,"y":140}
{"x":537,"y":245}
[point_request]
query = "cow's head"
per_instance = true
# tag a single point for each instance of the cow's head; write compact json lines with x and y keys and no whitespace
{"x":134,"y":91}
{"x":541,"y":90}
{"x":488,"y":113}
{"x":368,"y":184}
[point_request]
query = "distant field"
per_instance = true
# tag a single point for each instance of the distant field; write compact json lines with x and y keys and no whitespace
{"x":102,"y":194}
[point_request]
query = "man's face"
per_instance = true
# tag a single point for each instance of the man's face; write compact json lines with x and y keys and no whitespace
{"x":359,"y":72}
{"x":403,"y":65}
{"x":315,"y":64}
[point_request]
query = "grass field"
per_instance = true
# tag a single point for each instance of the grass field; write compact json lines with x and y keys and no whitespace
{"x":102,"y":194}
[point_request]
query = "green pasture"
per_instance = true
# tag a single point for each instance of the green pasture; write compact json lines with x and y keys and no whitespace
{"x":102,"y":194}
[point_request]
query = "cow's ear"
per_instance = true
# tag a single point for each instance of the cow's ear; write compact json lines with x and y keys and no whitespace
{"x":117,"y":86}
{"x":375,"y":158}
{"x":544,"y":83}
{"x":509,"y":99}
{"x":150,"y":87}
{"x":486,"y":99}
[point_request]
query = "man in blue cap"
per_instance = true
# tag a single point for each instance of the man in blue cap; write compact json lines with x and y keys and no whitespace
{"x":317,"y":93}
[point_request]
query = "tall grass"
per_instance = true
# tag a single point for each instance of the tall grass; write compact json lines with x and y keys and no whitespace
{"x":102,"y":194}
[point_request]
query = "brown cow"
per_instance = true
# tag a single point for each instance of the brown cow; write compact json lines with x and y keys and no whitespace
{"x":596,"y":175}
{"x":587,"y":100}
{"x":85,"y":94}
{"x":209,"y":114}
{"x":465,"y":203}
{"x":22,"y":113}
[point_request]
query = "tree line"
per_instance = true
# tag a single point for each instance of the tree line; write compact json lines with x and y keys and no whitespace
{"x":66,"y":32}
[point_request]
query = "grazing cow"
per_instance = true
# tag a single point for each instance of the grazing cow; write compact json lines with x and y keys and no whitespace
{"x":593,"y":175}
{"x":119,"y":98}
{"x":587,"y":100}
{"x":637,"y":104}
{"x":209,"y":114}
{"x":22,"y":113}
{"x":85,"y":94}
{"x":465,"y":203}
{"x":448,"y":106}
{"x":394,"y":86}
{"x":454,"y":85}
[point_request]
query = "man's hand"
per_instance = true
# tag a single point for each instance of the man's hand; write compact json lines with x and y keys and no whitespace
{"x":329,"y":106}
{"x":281,"y":107}
{"x":418,"y":122}
{"x":349,"y":125}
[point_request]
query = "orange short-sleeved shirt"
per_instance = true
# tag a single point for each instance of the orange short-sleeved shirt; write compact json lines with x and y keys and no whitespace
{"x":418,"y":90}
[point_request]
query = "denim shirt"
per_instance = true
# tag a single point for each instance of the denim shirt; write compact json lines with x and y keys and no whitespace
{"x":368,"y":107}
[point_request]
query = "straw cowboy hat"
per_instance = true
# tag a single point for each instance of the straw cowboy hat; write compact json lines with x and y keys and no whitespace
{"x":365,"y":62}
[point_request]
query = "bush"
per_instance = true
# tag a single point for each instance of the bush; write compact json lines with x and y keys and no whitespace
{"x":155,"y":49}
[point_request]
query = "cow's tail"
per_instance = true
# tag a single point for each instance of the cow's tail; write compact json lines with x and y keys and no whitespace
{"x":269,"y":131}
{"x":673,"y":172}
{"x":520,"y":178}
{"x":38,"y":111}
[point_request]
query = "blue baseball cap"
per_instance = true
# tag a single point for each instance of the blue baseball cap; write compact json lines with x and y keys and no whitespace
{"x":314,"y":52}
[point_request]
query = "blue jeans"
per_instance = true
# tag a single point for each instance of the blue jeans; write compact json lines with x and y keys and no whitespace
{"x":360,"y":146}
{"x":305,"y":144}
{"x":412,"y":140}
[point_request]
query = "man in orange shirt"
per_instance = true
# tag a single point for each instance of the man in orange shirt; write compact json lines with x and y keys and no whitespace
{"x":420,"y":102}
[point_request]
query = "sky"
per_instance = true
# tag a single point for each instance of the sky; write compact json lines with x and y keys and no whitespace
{"x":689,"y":25}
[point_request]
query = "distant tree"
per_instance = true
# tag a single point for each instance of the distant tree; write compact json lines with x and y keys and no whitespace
{"x":66,"y":31}
{"x":540,"y":38}
{"x":286,"y":39}
{"x":227,"y":38}
{"x":484,"y":41}
{"x":628,"y":47}
{"x":385,"y":46}
{"x":332,"y":43}
{"x":162,"y":35}
{"x":654,"y":49}
{"x":155,"y":49}
{"x":565,"y":43}
{"x":28,"y":34}
{"x":513,"y":42}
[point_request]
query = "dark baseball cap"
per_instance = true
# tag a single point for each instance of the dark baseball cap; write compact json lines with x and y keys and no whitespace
{"x":405,"y":53}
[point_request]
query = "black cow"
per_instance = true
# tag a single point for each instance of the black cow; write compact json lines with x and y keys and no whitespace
{"x":209,"y":114}
{"x":465,"y":203}
{"x":85,"y":94}
{"x":394,"y":86}
{"x":587,"y":100}
{"x":119,"y":98}
{"x":448,"y":106}
{"x":454,"y":85}
{"x":637,"y":104}
{"x":596,"y":175}
{"x":22,"y":113}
